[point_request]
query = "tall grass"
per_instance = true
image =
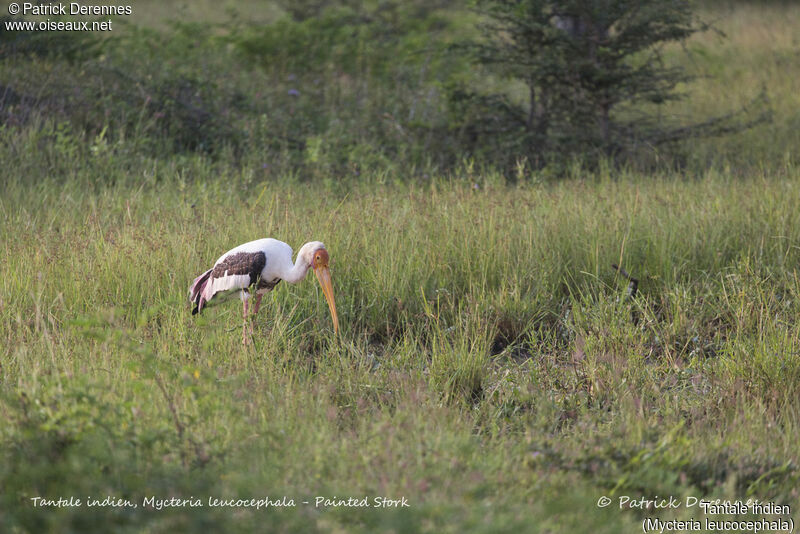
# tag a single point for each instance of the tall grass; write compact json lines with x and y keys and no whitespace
{"x":490,"y":368}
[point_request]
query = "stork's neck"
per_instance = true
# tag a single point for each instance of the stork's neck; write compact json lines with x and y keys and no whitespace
{"x":297,"y":271}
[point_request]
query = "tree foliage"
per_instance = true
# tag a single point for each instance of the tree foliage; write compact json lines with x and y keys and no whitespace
{"x":336,"y":88}
{"x":578,"y":77}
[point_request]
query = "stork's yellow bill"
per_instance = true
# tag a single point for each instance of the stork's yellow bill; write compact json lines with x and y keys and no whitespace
{"x":324,"y":276}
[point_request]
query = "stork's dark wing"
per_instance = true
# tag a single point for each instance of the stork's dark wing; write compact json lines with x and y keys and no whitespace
{"x":238,"y":270}
{"x":241,"y":263}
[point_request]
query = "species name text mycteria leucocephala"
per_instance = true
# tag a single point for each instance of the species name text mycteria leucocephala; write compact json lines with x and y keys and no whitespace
{"x":259,"y":265}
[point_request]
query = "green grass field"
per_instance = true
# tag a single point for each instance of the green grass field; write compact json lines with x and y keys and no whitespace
{"x":491,"y":369}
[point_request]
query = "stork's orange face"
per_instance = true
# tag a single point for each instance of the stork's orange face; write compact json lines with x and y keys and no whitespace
{"x":320,"y":266}
{"x":320,"y":258}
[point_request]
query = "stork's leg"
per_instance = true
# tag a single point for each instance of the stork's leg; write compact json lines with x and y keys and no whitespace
{"x":250,"y":322}
{"x":244,"y":321}
{"x":258,"y":303}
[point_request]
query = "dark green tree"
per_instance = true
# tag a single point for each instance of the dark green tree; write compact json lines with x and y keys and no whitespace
{"x":592,"y":73}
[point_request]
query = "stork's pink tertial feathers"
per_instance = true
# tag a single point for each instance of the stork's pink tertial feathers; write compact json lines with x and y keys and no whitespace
{"x":196,"y":291}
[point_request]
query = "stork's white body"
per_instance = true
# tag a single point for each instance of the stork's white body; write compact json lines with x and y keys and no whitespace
{"x":277,"y":252}
{"x":278,"y":265}
{"x":261,"y":263}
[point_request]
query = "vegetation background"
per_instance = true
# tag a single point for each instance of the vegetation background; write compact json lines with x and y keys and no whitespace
{"x":492,"y":368}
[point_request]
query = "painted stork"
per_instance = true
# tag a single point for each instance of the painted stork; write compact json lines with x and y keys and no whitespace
{"x":259,"y":265}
